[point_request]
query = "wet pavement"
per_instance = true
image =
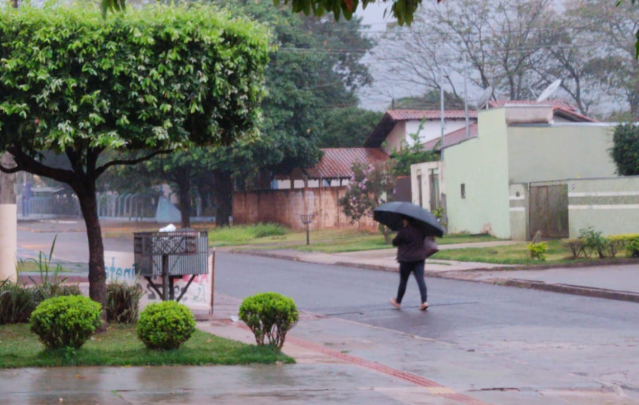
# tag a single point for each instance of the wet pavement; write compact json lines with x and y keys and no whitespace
{"x":257,"y":385}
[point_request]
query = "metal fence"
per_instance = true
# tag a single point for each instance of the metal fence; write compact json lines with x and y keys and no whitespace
{"x":131,"y":206}
{"x":54,"y":205}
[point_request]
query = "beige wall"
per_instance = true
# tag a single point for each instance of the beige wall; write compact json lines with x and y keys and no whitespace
{"x":609,"y":205}
{"x":519,"y":211}
{"x":481,"y":164}
{"x":285,"y":207}
{"x":567,"y":151}
{"x":395,"y":139}
{"x":425,"y":169}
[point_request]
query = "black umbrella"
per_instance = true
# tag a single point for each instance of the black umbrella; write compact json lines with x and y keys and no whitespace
{"x":391,"y":215}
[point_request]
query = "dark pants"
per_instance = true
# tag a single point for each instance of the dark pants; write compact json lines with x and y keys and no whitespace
{"x":417,"y":268}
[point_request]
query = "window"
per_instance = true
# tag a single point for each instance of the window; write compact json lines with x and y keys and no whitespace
{"x":463,"y":190}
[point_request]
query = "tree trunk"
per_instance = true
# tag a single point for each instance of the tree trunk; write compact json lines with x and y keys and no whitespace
{"x":184,"y":193}
{"x":97,"y":273}
{"x":224,"y":184}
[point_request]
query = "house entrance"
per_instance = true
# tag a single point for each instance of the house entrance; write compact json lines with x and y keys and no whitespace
{"x":549,"y":210}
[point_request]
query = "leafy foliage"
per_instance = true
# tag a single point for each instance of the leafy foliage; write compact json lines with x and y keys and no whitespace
{"x":415,"y":153}
{"x":123,"y":302}
{"x":156,"y":78}
{"x":166,"y":325}
{"x":269,"y":316}
{"x":16,"y":303}
{"x":370,"y":187}
{"x":538,"y":250}
{"x":347,"y":127}
{"x":402,"y":10}
{"x":625,"y":151}
{"x":66,"y":322}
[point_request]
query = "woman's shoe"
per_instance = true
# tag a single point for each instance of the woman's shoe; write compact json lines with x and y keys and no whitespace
{"x":394,"y":303}
{"x":424,"y":306}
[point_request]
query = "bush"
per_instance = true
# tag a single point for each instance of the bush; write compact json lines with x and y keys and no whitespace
{"x":69,"y":321}
{"x":123,"y":303}
{"x":626,"y":149}
{"x":16,"y":303}
{"x":538,"y":250}
{"x":269,"y":316}
{"x":166,"y":325}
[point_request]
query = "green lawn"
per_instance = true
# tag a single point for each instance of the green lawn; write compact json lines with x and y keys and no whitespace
{"x":513,"y":254}
{"x":120,"y":347}
{"x":270,"y":236}
{"x":361,"y":242}
{"x":31,"y":266}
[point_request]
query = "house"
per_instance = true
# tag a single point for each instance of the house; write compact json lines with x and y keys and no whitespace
{"x":561,"y":112}
{"x":509,"y":177}
{"x":333,"y":170}
{"x":315,"y":190}
{"x":397,"y":126}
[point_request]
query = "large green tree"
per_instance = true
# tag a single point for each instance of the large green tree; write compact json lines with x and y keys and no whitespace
{"x":308,"y":79}
{"x":157,"y":79}
{"x":347,"y":127}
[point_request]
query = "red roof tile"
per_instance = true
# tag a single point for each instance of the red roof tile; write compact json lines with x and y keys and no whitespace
{"x":336,"y":163}
{"x":453,"y":138}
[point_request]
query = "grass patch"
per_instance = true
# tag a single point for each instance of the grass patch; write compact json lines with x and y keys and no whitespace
{"x":357,"y":242}
{"x":33,"y":267}
{"x":121,"y":347}
{"x":518,"y":254}
{"x":327,"y":240}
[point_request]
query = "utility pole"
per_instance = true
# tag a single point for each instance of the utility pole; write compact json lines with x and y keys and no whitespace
{"x":466,"y":98}
{"x":441,"y":143}
{"x":8,"y":222}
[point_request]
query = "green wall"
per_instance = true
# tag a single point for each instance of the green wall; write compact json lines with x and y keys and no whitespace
{"x":481,"y":164}
{"x":545,"y":153}
{"x":610,"y":205}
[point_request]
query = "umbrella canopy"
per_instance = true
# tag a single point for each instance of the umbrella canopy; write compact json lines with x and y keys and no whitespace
{"x":392,"y":214}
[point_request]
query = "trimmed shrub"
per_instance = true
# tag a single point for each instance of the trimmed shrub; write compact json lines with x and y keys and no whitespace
{"x":63,"y":322}
{"x":269,"y":316}
{"x":123,"y":303}
{"x":166,"y":325}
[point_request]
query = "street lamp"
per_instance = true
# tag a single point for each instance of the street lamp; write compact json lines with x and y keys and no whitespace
{"x":306,"y":220}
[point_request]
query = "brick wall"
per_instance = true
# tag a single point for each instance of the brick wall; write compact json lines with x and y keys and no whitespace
{"x":285,"y":207}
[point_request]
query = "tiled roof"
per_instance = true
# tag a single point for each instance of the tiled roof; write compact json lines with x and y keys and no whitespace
{"x":407,"y":115}
{"x":336,"y":163}
{"x":385,"y":126}
{"x":453,"y":138}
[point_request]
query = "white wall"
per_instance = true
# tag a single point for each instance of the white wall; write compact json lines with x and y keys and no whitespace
{"x":433,"y":129}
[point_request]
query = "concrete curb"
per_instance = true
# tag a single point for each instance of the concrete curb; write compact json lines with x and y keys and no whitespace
{"x":454,"y":275}
{"x":569,"y":289}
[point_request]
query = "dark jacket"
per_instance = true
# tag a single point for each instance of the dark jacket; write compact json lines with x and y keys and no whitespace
{"x":410,"y":244}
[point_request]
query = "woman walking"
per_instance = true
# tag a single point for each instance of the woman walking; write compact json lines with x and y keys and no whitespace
{"x":411,"y":255}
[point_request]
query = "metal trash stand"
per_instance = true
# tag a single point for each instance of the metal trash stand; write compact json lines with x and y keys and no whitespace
{"x":171,"y":256}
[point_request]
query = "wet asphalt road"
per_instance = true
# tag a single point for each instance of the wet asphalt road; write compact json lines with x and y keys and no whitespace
{"x":456,"y":306}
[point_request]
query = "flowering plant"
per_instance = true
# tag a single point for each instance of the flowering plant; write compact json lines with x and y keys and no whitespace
{"x":370,"y":186}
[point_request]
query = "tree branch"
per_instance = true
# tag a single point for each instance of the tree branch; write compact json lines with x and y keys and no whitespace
{"x":29,"y":164}
{"x":127,"y":162}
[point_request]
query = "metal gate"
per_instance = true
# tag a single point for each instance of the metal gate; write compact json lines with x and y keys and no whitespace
{"x":549,"y":210}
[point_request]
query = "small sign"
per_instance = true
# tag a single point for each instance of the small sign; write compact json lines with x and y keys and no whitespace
{"x":119,"y":268}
